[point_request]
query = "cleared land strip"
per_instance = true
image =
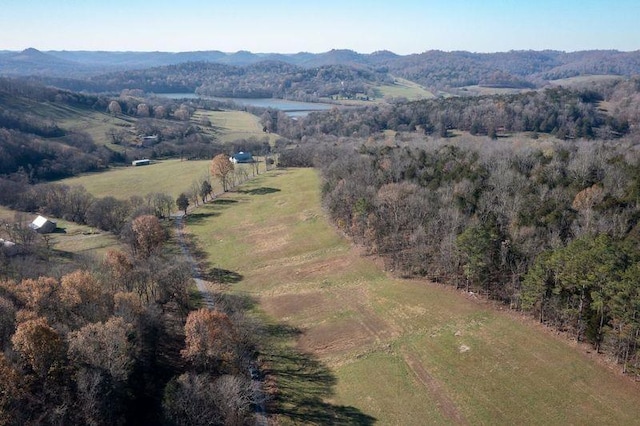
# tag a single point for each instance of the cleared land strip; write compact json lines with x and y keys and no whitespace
{"x":354,"y":344}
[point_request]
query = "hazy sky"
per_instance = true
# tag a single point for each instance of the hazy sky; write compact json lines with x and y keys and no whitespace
{"x":402,"y":26}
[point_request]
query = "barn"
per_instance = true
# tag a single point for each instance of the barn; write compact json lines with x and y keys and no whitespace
{"x":42,"y":225}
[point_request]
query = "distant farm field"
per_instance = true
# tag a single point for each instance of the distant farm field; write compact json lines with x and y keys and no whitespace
{"x":168,"y":176}
{"x":585,"y":79}
{"x":488,"y":91}
{"x":347,"y":344}
{"x":402,"y":88}
{"x":228,"y":125}
{"x":95,"y":123}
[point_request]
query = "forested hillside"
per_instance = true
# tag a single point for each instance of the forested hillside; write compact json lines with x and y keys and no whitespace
{"x":565,"y":113}
{"x":262,"y":80}
{"x":305,"y":75}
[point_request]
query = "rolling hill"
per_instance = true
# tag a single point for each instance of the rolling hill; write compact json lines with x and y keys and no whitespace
{"x":433,"y":68}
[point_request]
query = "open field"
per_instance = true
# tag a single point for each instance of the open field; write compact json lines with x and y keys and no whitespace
{"x":70,"y":239}
{"x":168,"y":176}
{"x":95,"y":123}
{"x":81,"y":239}
{"x":488,"y":91}
{"x":228,"y":126}
{"x":348,"y":344}
{"x":584,"y":79}
{"x":404,"y":89}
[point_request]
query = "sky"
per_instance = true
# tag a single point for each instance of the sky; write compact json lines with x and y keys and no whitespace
{"x":284,"y":26}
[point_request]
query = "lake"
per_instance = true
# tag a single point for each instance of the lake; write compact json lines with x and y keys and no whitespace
{"x":291,"y":108}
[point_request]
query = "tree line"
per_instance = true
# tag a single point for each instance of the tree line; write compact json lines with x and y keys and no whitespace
{"x":268,"y":79}
{"x":562,"y":112}
{"x":549,"y":227}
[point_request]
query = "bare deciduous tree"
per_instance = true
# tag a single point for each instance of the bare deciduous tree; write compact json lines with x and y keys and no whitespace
{"x":105,"y":346}
{"x":148,"y":235}
{"x":222,"y":169}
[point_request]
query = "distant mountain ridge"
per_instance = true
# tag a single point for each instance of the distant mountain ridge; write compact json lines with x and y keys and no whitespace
{"x":434,"y":68}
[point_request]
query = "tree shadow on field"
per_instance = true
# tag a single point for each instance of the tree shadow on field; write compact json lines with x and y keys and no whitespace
{"x":198,"y":217}
{"x":223,"y":276}
{"x":302,"y":383}
{"x":223,"y":201}
{"x":260,"y":191}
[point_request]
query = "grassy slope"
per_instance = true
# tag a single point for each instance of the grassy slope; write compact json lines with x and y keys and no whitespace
{"x":350,"y":344}
{"x":405,"y":89}
{"x":93,"y":122}
{"x":228,"y":126}
{"x":169,"y":176}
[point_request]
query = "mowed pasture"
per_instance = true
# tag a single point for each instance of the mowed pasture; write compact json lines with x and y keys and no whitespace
{"x":167,"y":176}
{"x":345,"y":343}
{"x":82,"y":240}
{"x":228,"y":125}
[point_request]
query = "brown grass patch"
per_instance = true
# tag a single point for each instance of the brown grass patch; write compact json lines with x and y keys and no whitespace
{"x":289,"y":305}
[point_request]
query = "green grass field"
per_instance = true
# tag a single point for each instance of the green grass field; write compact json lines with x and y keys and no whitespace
{"x":168,"y":176}
{"x":69,"y":240}
{"x":81,"y":239}
{"x":228,"y":126}
{"x":404,"y":89}
{"x":348,"y":344}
